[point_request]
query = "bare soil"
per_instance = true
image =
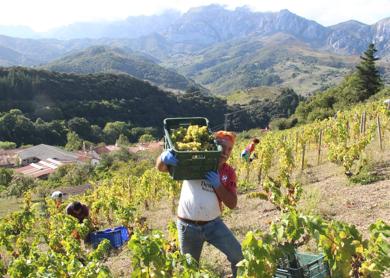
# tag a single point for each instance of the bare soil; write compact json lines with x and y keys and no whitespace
{"x":327,"y":192}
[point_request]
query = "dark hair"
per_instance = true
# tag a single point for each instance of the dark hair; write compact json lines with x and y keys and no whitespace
{"x":256,"y":141}
{"x":77,"y":205}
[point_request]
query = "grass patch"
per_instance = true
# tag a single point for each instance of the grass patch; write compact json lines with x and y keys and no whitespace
{"x":310,"y":199}
{"x":245,"y":186}
{"x":8,"y":205}
{"x":367,"y":175}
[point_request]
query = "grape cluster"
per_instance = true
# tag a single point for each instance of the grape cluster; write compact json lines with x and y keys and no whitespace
{"x":193,"y":138}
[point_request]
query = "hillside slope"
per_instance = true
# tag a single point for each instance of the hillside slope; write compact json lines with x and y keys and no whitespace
{"x":279,"y":60}
{"x":99,"y":98}
{"x":102,"y":59}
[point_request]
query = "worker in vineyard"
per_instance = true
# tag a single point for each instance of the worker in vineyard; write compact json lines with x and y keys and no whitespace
{"x":201,"y":203}
{"x":248,"y":153}
{"x":57,"y":197}
{"x":78,"y":210}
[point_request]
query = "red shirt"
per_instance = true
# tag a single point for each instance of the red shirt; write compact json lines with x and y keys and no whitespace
{"x":250,"y":148}
{"x":228,"y":178}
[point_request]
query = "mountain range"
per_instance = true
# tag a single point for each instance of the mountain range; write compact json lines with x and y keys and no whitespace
{"x":223,"y":50}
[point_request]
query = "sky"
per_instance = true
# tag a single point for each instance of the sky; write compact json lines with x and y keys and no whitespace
{"x":43,"y":15}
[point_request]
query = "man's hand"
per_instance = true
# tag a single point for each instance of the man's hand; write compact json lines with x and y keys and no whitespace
{"x":214,"y":179}
{"x":168,"y":158}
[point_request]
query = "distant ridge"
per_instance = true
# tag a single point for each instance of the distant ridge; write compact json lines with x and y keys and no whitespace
{"x":222,"y":50}
{"x":104,"y":59}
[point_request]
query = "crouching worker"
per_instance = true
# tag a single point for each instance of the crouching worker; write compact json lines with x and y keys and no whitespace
{"x":200,"y":206}
{"x":247,"y":152}
{"x":57,"y":197}
{"x":77,"y":210}
{"x":80,"y":212}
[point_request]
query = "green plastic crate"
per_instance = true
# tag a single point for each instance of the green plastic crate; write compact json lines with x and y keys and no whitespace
{"x":192,"y":165}
{"x":311,"y":266}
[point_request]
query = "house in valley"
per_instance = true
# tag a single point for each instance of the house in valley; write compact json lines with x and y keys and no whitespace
{"x":42,"y":152}
{"x":41,"y":160}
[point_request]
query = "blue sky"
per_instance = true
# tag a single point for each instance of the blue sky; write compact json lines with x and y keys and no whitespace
{"x":42,"y":15}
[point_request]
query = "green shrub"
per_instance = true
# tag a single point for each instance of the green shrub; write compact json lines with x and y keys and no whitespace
{"x":366,"y":175}
{"x":146,"y":138}
{"x":283,"y":123}
{"x":19,"y":185}
{"x":6,"y":145}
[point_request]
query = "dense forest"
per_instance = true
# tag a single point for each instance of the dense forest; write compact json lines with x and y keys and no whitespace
{"x":40,"y":106}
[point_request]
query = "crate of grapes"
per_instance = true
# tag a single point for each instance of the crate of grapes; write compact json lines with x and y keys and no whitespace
{"x":193,"y":145}
{"x":303,"y":265}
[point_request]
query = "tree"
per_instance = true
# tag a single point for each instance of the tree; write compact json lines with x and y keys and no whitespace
{"x":144,"y":138}
{"x":19,"y":185}
{"x":74,"y":141}
{"x":15,"y":127}
{"x":5,"y":176}
{"x":81,"y":126}
{"x":52,"y":133}
{"x":96,"y":134}
{"x":369,"y":80}
{"x":112,"y":130}
{"x":122,"y":141}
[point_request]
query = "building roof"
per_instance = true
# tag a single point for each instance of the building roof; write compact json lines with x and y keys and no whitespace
{"x":151,"y":146}
{"x":84,"y":156}
{"x":39,"y":169}
{"x":8,"y":157}
{"x":43,"y":152}
{"x":101,"y":150}
{"x":106,"y":149}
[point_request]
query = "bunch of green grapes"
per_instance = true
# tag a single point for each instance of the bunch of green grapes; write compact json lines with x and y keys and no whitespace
{"x":193,"y":138}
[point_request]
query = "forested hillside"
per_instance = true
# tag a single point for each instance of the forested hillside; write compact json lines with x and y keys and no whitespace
{"x":104,"y":59}
{"x":100,"y":107}
{"x":98,"y":98}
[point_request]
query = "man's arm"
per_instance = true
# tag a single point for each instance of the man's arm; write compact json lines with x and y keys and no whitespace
{"x":166,"y":158}
{"x":160,"y":165}
{"x":227,"y":197}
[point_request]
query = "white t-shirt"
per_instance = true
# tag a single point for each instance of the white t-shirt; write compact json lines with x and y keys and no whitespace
{"x":198,"y":201}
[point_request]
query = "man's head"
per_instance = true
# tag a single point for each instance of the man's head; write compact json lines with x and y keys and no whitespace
{"x":57,"y":195}
{"x":226,"y":139}
{"x":77,"y":207}
{"x":256,"y":141}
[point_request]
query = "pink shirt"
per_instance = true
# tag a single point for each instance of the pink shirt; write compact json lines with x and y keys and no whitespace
{"x":250,"y":148}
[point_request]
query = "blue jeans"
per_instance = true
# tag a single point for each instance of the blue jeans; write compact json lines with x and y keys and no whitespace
{"x":192,"y":237}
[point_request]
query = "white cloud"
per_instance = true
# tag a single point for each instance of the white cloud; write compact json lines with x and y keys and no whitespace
{"x":42,"y":15}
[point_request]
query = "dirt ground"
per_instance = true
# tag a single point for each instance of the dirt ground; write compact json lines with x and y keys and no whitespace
{"x":327,"y":192}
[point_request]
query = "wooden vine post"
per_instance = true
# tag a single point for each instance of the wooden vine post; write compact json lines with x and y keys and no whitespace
{"x":303,"y":156}
{"x":259,"y":174}
{"x":363,"y":123}
{"x":378,"y":122}
{"x":319,"y":148}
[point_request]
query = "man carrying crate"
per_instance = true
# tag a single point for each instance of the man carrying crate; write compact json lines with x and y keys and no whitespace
{"x":200,"y":205}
